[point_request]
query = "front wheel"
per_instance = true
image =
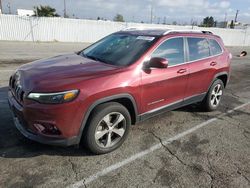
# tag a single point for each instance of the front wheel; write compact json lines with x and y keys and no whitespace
{"x":213,"y":97}
{"x":108,"y":128}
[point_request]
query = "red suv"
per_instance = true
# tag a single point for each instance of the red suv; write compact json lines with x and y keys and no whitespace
{"x":96,"y":94}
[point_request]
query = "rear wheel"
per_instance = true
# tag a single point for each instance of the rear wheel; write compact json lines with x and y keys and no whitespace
{"x":213,"y":97}
{"x":108,"y":128}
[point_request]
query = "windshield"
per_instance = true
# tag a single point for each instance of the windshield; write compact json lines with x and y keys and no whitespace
{"x":119,"y":49}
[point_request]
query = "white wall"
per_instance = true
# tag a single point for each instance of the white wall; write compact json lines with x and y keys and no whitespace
{"x":17,"y":28}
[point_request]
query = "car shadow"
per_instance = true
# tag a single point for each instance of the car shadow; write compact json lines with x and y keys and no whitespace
{"x":14,"y":145}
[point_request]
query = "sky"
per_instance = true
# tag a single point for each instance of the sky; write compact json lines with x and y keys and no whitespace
{"x":181,"y":11}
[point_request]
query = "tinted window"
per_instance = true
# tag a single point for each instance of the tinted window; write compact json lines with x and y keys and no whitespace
{"x":215,"y":47}
{"x":198,"y":48}
{"x":119,"y":49}
{"x":172,"y":50}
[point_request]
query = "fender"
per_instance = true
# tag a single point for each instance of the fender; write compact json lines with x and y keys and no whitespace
{"x":216,"y":76}
{"x":103,"y":100}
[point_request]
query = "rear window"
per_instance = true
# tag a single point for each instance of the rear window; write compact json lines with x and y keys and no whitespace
{"x":215,"y":47}
{"x":198,"y":48}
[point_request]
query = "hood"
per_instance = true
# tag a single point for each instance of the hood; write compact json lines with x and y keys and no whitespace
{"x":60,"y":71}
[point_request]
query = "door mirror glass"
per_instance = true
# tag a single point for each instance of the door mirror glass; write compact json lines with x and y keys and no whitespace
{"x":157,"y":62}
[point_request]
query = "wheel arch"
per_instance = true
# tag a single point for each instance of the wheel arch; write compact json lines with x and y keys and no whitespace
{"x":223,"y":76}
{"x":124,"y":99}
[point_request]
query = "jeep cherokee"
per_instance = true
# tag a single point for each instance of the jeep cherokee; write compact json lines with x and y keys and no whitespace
{"x":95,"y":95}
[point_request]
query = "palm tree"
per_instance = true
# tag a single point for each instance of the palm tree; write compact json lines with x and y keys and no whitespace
{"x":45,"y":11}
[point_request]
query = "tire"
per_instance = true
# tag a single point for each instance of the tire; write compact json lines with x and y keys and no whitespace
{"x":213,"y":97}
{"x":108,"y":128}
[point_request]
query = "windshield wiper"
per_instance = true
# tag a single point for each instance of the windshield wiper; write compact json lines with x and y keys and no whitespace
{"x":95,"y":58}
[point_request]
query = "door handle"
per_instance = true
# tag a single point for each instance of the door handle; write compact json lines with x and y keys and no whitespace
{"x":181,"y":71}
{"x":213,"y":63}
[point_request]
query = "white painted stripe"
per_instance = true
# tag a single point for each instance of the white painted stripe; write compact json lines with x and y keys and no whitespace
{"x":7,"y":70}
{"x":149,"y":150}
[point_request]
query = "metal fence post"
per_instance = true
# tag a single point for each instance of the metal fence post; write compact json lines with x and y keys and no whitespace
{"x":31,"y":28}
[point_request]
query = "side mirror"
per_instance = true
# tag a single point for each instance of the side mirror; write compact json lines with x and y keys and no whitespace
{"x":157,"y":62}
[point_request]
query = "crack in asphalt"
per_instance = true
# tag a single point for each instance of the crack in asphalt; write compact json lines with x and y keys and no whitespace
{"x":239,"y":171}
{"x":73,"y":167}
{"x":246,"y":133}
{"x":211,"y":169}
{"x":243,"y":175}
{"x":212,"y":177}
{"x":84,"y":183}
{"x":233,"y":94}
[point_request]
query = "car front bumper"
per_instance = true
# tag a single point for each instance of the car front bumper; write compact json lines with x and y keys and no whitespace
{"x":17,"y":111}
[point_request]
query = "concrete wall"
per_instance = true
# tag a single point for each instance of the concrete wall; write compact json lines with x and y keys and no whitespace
{"x":17,"y":28}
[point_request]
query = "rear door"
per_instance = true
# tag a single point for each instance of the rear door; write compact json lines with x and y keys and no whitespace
{"x":165,"y":86}
{"x":201,"y":66}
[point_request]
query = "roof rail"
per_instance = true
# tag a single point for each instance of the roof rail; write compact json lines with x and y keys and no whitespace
{"x":129,"y":28}
{"x":142,"y":28}
{"x":167,"y":30}
{"x":207,"y":32}
{"x":186,"y":31}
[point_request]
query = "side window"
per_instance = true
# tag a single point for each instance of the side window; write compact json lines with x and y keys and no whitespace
{"x":215,"y":47}
{"x":198,"y":48}
{"x":172,"y":50}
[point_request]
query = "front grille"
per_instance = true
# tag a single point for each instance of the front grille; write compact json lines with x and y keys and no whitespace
{"x":16,"y":88}
{"x":20,"y":118}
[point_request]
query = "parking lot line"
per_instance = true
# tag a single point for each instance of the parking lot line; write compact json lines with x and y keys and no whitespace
{"x":141,"y":154}
{"x":8,"y":70}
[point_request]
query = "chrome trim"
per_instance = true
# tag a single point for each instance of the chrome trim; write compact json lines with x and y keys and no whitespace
{"x":182,"y":31}
{"x":187,"y":62}
{"x":15,"y":87}
{"x":154,"y":102}
{"x":162,"y":107}
{"x":173,"y":103}
{"x":195,"y":60}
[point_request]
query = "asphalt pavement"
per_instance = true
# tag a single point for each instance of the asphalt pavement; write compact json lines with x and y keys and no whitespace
{"x":182,"y":148}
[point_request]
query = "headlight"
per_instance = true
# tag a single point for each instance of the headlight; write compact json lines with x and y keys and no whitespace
{"x":54,"y":98}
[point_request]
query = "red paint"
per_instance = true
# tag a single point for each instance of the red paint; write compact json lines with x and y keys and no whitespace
{"x":151,"y":89}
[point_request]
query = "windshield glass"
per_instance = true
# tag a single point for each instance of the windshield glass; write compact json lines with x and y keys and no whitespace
{"x":119,"y":49}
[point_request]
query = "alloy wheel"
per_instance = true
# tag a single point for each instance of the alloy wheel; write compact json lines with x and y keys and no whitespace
{"x":110,"y":130}
{"x":216,"y":95}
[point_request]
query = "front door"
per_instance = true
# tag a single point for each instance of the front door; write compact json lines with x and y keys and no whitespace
{"x":162,"y":87}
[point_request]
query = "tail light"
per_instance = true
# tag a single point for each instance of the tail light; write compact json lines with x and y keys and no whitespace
{"x":230,"y":56}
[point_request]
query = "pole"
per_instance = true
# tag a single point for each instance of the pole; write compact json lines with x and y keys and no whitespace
{"x":237,"y":12}
{"x":151,"y":14}
{"x":225,"y":20}
{"x":8,"y":5}
{"x":65,"y":14}
{"x":1,"y":8}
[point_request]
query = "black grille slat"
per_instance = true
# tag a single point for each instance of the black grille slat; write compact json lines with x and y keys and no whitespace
{"x":16,"y":89}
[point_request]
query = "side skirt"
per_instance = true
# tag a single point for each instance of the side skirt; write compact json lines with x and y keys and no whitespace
{"x":172,"y":106}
